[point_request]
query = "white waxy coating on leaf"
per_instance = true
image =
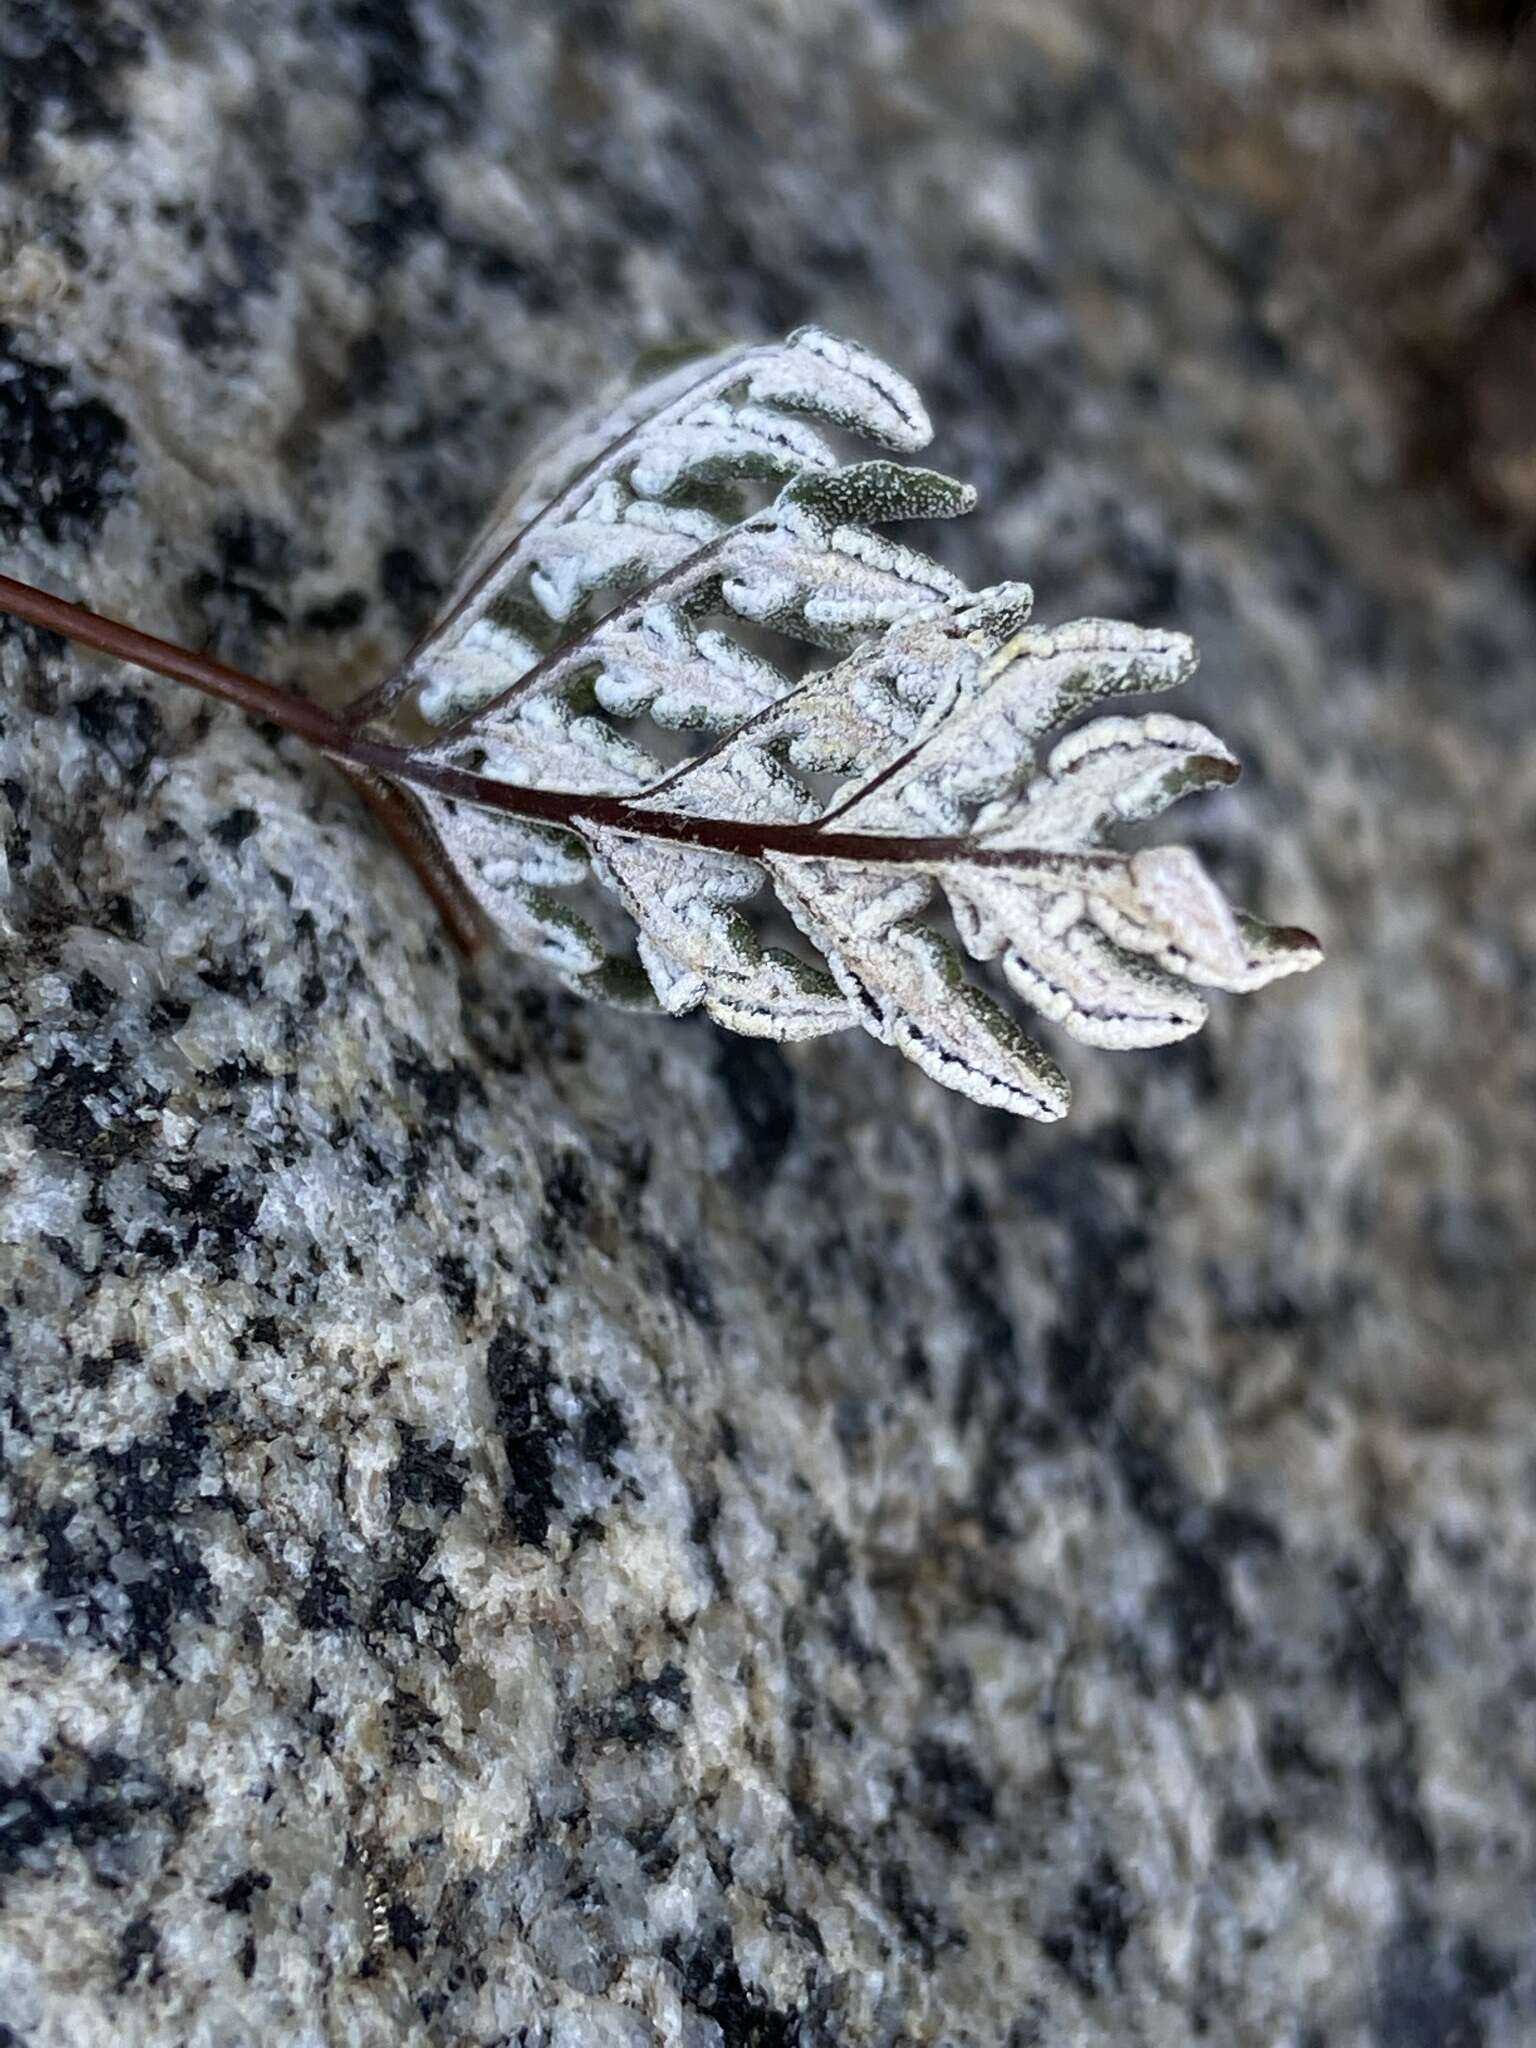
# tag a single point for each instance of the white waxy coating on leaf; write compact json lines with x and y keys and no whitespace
{"x":908,"y":989}
{"x":613,"y":542}
{"x":844,"y":383}
{"x":828,"y":584}
{"x":483,"y":662}
{"x":853,"y":718}
{"x":510,"y":869}
{"x":718,"y":442}
{"x":793,"y":567}
{"x":1116,"y":770}
{"x":698,"y":949}
{"x":544,"y":743}
{"x":1102,"y":996}
{"x":736,"y":412}
{"x":1027,"y":685}
{"x":930,"y":721}
{"x":656,"y":662}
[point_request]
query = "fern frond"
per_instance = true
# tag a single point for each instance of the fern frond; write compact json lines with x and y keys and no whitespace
{"x":852,"y":802}
{"x":877,"y":809}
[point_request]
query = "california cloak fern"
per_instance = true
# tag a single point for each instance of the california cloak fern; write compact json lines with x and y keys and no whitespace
{"x":611,"y":721}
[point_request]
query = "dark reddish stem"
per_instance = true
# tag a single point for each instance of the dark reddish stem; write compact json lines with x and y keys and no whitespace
{"x":377,"y":767}
{"x":746,"y":836}
{"x":395,"y":811}
{"x":294,"y":714}
{"x":417,"y":843}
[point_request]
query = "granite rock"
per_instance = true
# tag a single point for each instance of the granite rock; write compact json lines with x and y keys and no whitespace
{"x":524,"y":1524}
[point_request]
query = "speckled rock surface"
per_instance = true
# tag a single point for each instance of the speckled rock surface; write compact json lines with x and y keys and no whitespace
{"x":523,"y":1525}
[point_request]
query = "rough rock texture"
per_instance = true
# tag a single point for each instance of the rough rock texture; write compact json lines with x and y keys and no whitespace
{"x":524,"y":1525}
{"x":1393,"y":146}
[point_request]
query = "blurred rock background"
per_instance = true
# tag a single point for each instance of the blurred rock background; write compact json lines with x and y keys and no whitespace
{"x":1392,"y":147}
{"x":529,"y":1525}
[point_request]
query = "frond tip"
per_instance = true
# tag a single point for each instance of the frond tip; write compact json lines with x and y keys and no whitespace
{"x":840,"y":804}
